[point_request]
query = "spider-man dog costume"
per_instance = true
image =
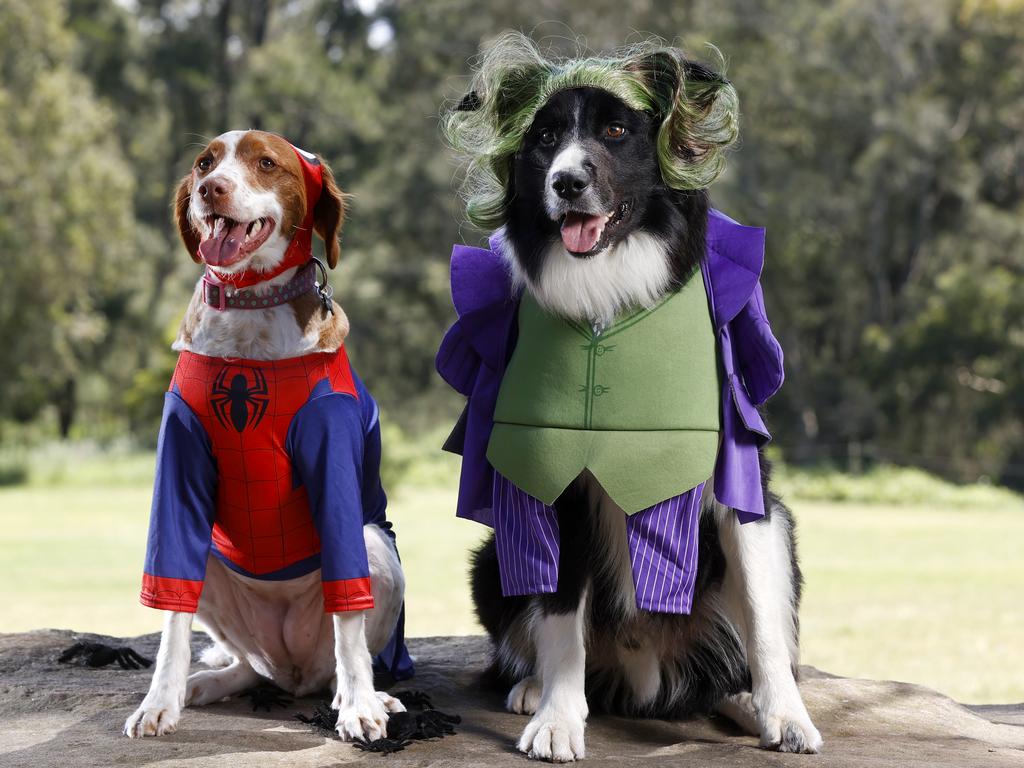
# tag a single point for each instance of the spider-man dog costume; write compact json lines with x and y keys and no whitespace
{"x":273,"y":467}
{"x":277,"y":464}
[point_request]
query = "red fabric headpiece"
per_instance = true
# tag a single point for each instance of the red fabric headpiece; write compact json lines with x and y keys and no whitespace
{"x":300,"y":249}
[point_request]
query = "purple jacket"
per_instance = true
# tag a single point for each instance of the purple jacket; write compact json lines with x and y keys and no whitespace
{"x":476,"y":349}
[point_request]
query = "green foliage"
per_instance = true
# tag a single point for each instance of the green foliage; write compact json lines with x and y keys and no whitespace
{"x":66,"y":226}
{"x":893,"y":486}
{"x":881,"y":157}
{"x":881,"y":148}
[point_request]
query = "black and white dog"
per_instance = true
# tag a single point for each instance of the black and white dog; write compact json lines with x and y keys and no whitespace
{"x":592,"y":229}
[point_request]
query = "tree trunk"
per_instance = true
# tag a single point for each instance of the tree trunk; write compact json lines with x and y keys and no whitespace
{"x":67,"y":403}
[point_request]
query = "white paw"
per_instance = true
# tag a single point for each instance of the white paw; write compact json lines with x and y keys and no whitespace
{"x":391,"y":704}
{"x":555,"y":734}
{"x":524,"y":698}
{"x":204,"y":687}
{"x":362,"y":716}
{"x":790,"y":732}
{"x":152,"y":719}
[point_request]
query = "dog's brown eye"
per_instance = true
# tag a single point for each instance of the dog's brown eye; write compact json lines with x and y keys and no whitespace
{"x":615,"y":131}
{"x":547,"y":137}
{"x":204,"y":164}
{"x":266,"y":163}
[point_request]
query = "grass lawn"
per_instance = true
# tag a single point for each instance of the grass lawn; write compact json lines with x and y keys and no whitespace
{"x":928,"y":594}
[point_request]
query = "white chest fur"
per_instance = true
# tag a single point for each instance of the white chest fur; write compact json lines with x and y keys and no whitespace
{"x":253,"y":334}
{"x":633,"y":273}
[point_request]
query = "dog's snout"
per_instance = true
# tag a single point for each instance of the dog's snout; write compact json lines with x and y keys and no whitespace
{"x":570,"y":184}
{"x":215,"y":189}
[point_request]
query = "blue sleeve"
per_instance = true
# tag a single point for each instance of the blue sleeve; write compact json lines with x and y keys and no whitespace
{"x":375,"y":501}
{"x":326,"y":446}
{"x":181,"y":519}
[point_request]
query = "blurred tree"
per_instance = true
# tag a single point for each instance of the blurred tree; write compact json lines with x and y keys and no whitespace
{"x":66,"y":226}
{"x":881,"y":147}
{"x":881,"y":151}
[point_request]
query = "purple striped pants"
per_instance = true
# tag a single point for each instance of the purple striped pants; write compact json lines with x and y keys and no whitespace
{"x":662,"y":547}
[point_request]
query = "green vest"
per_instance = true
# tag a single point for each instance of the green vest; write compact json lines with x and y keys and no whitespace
{"x":637,"y":404}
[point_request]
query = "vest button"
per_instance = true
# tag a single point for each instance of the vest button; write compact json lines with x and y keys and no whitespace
{"x":600,"y":389}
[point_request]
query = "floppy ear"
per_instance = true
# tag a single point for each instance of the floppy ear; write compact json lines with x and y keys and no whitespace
{"x":181,"y":201}
{"x":328,"y":216}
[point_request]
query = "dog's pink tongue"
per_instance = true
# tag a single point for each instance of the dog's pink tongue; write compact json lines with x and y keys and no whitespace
{"x":223,"y":249}
{"x":581,"y":232}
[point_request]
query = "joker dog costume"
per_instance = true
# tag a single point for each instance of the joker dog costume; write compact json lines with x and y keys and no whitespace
{"x":549,"y":397}
{"x":613,"y":345}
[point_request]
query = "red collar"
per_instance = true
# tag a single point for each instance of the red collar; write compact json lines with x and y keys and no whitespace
{"x":300,"y":249}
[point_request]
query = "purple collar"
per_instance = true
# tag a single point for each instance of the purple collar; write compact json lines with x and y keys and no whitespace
{"x":221,"y":296}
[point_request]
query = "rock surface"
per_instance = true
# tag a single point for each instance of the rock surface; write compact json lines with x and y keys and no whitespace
{"x":71,"y":717}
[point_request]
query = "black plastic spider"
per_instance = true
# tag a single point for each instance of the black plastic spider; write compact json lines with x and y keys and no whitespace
{"x":385,"y":746}
{"x":414,"y":699}
{"x":100,"y":655}
{"x":433,"y":724}
{"x":267,"y":696}
{"x":232,"y":402}
{"x":324,"y":718}
{"x":403,"y":727}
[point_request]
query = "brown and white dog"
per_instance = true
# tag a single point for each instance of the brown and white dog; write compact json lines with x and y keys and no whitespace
{"x":240,"y":210}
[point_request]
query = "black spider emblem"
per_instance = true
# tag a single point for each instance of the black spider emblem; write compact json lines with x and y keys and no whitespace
{"x":231,"y":402}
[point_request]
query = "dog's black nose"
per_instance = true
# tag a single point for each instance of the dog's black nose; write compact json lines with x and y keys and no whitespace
{"x":569,"y":185}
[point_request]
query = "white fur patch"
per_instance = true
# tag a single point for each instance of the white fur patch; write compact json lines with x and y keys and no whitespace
{"x":569,"y":159}
{"x":630,"y":274}
{"x":556,"y":731}
{"x":759,"y":595}
{"x":161,"y":709}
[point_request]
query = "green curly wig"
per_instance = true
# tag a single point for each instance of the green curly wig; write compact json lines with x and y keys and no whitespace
{"x":697,"y":108}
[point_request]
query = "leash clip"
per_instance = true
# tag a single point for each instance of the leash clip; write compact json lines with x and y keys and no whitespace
{"x":323,"y":288}
{"x":210,"y":282}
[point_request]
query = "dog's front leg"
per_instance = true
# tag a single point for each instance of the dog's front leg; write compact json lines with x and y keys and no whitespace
{"x":760,"y":593}
{"x":556,"y":731}
{"x":161,"y":709}
{"x":362,"y":712}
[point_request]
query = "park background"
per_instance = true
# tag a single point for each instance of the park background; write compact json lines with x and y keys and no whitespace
{"x":882,"y":146}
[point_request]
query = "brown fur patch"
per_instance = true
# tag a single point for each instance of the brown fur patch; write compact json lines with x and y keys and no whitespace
{"x":215,"y":152}
{"x":189,"y":236}
{"x":312,"y":318}
{"x":284,"y":178}
{"x":329,"y":215}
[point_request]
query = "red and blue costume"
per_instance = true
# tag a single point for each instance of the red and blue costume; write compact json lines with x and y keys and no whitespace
{"x":273,"y":467}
